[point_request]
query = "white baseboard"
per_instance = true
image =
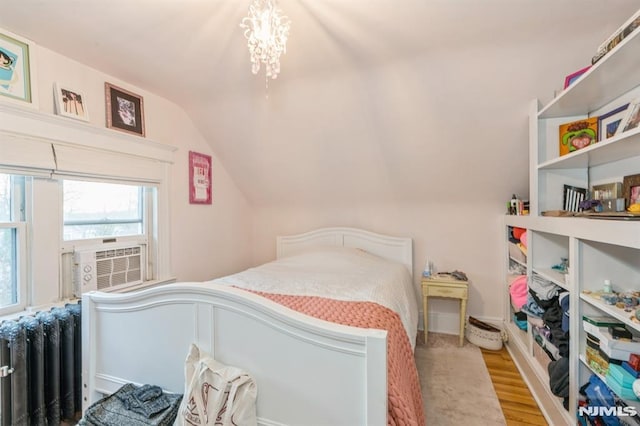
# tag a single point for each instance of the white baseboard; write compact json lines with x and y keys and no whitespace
{"x":449,"y":323}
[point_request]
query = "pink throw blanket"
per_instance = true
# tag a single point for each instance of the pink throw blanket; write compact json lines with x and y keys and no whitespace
{"x":403,"y":386}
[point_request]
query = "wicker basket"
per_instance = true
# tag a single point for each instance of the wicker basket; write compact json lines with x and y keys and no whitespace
{"x":484,"y":335}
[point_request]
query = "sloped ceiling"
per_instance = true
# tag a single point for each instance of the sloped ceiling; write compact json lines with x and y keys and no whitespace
{"x":378,"y":101}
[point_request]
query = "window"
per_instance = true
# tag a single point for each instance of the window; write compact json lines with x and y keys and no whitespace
{"x":98,"y":209}
{"x":65,"y":205}
{"x":111,"y":225}
{"x":12,"y":244}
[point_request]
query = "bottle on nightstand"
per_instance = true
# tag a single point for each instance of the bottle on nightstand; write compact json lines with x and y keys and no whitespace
{"x":428,"y":269}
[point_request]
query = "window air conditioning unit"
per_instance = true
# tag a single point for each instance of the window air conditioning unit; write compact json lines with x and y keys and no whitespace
{"x":108,"y":268}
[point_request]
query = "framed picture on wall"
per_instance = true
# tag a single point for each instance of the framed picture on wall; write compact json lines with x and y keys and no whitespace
{"x":70,"y":102}
{"x":17,"y":69}
{"x":199,"y":178}
{"x":125,"y":110}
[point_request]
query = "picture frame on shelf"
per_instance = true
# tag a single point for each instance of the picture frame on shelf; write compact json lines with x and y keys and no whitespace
{"x":577,"y":135}
{"x":17,"y":69}
{"x":609,"y":122}
{"x":125,"y":110}
{"x":70,"y":102}
{"x":199,"y":178}
{"x":632,"y":117}
{"x":606,"y":191}
{"x":572,"y":197}
{"x":571,"y":78}
{"x":631,"y":189}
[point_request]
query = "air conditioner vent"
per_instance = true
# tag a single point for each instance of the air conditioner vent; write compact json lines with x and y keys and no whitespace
{"x":108,"y":268}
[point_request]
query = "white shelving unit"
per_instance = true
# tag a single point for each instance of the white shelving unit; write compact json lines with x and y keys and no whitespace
{"x":597,"y":249}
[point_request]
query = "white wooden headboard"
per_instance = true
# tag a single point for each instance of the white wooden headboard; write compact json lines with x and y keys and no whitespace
{"x":397,"y":249}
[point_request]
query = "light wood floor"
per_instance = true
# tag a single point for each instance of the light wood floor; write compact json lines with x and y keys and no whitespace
{"x":517,"y":403}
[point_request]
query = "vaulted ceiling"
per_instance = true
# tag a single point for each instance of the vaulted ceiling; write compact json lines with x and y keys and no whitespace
{"x":378,"y":100}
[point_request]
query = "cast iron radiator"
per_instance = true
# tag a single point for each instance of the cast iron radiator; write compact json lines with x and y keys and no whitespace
{"x":40,"y":367}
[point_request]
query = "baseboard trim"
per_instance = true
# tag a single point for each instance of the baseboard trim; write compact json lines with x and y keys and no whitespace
{"x":449,"y":323}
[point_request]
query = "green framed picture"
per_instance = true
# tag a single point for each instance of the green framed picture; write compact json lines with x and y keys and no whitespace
{"x":16,"y":68}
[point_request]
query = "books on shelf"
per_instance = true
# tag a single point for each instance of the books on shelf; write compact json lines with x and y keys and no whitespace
{"x":620,"y":34}
{"x":601,"y":320}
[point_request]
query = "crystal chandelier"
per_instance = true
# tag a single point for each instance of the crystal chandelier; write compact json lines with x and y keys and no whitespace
{"x":266,"y":30}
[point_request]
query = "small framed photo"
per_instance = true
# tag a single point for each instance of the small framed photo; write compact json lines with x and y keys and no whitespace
{"x":17,"y":69}
{"x":125,"y":110}
{"x":631,"y":189}
{"x":606,"y":191}
{"x":70,"y":102}
{"x":572,"y":198}
{"x":571,"y":78}
{"x":608,"y":123}
{"x":632,"y":118}
{"x":199,"y":178}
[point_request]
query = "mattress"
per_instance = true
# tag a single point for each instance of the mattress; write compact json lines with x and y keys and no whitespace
{"x":339,"y":273}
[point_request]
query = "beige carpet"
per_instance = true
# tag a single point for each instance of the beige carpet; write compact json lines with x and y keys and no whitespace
{"x":456,"y":386}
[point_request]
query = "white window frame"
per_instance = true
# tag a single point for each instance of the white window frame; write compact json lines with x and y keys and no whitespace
{"x":20,"y":227}
{"x":146,"y":239}
{"x":21,"y":262}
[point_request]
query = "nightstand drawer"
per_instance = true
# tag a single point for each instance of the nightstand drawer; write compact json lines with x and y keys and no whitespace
{"x":446,"y":291}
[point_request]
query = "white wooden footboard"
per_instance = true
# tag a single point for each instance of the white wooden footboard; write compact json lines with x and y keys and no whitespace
{"x":308,"y":371}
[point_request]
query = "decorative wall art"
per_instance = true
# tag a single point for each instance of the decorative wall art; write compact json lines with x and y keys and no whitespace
{"x":17,"y":69}
{"x":125,"y":110}
{"x":199,"y":178}
{"x":70,"y":102}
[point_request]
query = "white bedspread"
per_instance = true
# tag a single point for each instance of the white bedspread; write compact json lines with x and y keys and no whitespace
{"x":338,"y":273}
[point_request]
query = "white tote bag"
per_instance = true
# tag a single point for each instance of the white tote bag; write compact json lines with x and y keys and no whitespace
{"x":216,"y":394}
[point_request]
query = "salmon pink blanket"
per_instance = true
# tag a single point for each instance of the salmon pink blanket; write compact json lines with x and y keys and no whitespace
{"x":403,"y":386}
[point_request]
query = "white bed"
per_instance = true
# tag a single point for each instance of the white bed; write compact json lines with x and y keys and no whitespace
{"x":308,"y":371}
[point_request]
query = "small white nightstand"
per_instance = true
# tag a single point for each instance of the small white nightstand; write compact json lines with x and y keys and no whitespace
{"x":443,"y":285}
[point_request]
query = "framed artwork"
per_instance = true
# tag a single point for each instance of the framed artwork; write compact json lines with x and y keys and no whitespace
{"x":125,"y":110}
{"x":572,"y":198}
{"x":70,"y":102}
{"x":571,"y":78}
{"x":17,"y":69}
{"x":631,"y":189}
{"x":577,"y":135}
{"x":608,"y":123}
{"x":199,"y":178}
{"x":606,"y":191}
{"x":632,"y":118}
